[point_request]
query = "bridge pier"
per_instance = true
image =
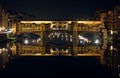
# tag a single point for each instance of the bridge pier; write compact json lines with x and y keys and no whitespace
{"x":75,"y":38}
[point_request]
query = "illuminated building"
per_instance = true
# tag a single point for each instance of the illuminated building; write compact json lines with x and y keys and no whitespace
{"x":117,"y":19}
{"x":3,"y":20}
{"x":3,"y":24}
{"x":111,"y":20}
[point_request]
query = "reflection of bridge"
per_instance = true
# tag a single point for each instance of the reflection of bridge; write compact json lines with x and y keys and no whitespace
{"x":23,"y":49}
{"x":73,"y":28}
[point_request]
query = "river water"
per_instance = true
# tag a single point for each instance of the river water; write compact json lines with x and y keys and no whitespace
{"x":57,"y":57}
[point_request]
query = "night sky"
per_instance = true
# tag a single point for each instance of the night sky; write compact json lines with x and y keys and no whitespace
{"x":58,"y":9}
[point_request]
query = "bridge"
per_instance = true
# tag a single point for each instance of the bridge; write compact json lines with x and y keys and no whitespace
{"x":52,"y":29}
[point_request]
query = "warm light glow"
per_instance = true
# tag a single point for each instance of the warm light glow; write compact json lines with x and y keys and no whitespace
{"x":118,"y":16}
{"x":3,"y":28}
{"x":3,"y":49}
{"x":90,"y":22}
{"x":0,"y":29}
{"x":111,"y":47}
{"x":26,"y":41}
{"x":85,"y":22}
{"x":111,"y":32}
{"x":66,"y":51}
{"x":10,"y":48}
{"x":51,"y":50}
{"x":96,"y":41}
{"x":83,"y":38}
{"x":10,"y":31}
{"x":37,"y":22}
{"x":39,"y":39}
{"x":6,"y":50}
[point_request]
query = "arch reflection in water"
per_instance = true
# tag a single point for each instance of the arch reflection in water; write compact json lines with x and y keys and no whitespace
{"x":5,"y":55}
{"x":29,"y":38}
{"x":58,"y":38}
{"x":8,"y":51}
{"x":21,"y":49}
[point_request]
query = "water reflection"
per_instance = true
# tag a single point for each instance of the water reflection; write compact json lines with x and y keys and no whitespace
{"x":61,"y":44}
{"x":57,"y":43}
{"x":5,"y":54}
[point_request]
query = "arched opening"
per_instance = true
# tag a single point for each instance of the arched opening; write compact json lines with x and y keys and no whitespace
{"x":57,"y":38}
{"x":28,"y":38}
{"x":89,"y":38}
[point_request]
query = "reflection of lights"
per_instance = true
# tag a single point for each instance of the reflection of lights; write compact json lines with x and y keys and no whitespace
{"x":33,"y":41}
{"x":96,"y":41}
{"x":81,"y":41}
{"x":10,"y":31}
{"x":66,"y":51}
{"x":89,"y":41}
{"x":70,"y":39}
{"x":49,"y":35}
{"x":3,"y":28}
{"x":39,"y":39}
{"x":111,"y":47}
{"x":26,"y":41}
{"x":0,"y":29}
{"x":10,"y":48}
{"x":3,"y":49}
{"x":118,"y":16}
{"x":0,"y":52}
{"x":51,"y":50}
{"x":83,"y":38}
{"x":6,"y":50}
{"x":111,"y":32}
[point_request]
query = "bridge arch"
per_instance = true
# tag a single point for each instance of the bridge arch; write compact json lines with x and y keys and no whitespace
{"x":29,"y":38}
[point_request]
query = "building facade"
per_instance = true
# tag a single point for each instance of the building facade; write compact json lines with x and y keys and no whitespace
{"x":3,"y":20}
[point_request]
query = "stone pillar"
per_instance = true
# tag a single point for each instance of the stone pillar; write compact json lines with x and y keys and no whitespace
{"x":75,"y":38}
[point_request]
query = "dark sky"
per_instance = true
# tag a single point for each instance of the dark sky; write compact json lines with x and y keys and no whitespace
{"x":57,"y":9}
